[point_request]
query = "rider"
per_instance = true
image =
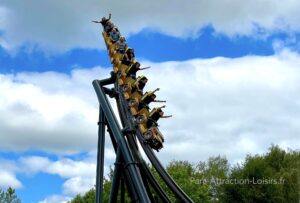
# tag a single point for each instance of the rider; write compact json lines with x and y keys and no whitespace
{"x":154,"y":115}
{"x":131,"y":70}
{"x":121,"y":45}
{"x":128,"y":58}
{"x":147,"y":98}
{"x":139,"y":84}
{"x":106,"y":23}
{"x":114,"y":35}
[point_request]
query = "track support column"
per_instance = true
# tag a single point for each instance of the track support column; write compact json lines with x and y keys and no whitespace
{"x":100,"y":156}
{"x":116,"y":178}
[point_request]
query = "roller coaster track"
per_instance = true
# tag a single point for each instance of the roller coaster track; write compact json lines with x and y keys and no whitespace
{"x":131,"y":170}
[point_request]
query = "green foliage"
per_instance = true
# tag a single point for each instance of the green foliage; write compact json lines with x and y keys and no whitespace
{"x":213,"y":171}
{"x":88,"y":197}
{"x":188,"y":178}
{"x":9,"y":196}
{"x":273,"y":177}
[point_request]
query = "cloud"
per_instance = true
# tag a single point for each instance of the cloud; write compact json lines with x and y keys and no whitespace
{"x":62,"y":25}
{"x":8,"y":179}
{"x":7,"y":175}
{"x":78,"y":185}
{"x":49,"y":111}
{"x":56,"y":199}
{"x":79,"y":174}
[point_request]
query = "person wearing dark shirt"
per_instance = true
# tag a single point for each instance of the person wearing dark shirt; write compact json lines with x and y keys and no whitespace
{"x":139,"y":84}
{"x":146,"y":101}
{"x":128,"y":57}
{"x":131,"y":71}
{"x":105,"y":22}
{"x":147,"y":98}
{"x":155,"y":115}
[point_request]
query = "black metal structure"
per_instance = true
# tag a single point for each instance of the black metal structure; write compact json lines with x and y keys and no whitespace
{"x":131,"y":172}
{"x":129,"y":166}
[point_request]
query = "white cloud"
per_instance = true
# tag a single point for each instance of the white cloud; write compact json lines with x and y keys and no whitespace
{"x":79,"y":175}
{"x":50,"y":110}
{"x":64,"y":167}
{"x":78,"y":185}
{"x":56,"y":199}
{"x":62,"y":25}
{"x":8,"y":179}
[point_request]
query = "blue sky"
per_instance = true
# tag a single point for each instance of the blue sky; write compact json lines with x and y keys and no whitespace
{"x":207,"y":45}
{"x":236,"y":72}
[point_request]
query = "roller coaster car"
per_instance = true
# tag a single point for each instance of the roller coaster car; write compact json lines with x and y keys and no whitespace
{"x":123,"y":61}
{"x":148,"y":119}
{"x":109,"y":43}
{"x":106,"y":39}
{"x":116,"y":57}
{"x":156,"y":114}
{"x":138,"y":101}
{"x":147,"y":123}
{"x":114,"y":35}
{"x":142,"y":116}
{"x":140,"y":83}
{"x":131,"y":70}
{"x":110,"y":46}
{"x":120,"y":72}
{"x":120,"y":49}
{"x":137,"y":86}
{"x":127,"y":87}
{"x":149,"y":129}
{"x":151,"y":134}
{"x":129,"y":57}
{"x":134,"y":101}
{"x":154,"y":137}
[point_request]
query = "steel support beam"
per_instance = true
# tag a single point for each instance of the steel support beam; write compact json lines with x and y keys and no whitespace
{"x":100,"y":157}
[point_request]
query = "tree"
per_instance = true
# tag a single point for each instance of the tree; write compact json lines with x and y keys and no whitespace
{"x":214,"y":172}
{"x":190,"y":180}
{"x":9,"y":196}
